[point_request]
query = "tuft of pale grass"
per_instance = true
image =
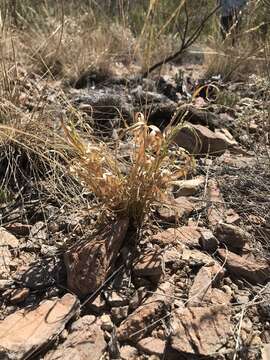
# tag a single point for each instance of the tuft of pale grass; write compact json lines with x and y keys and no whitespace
{"x":242,"y":52}
{"x":33,"y":156}
{"x":129,"y":187}
{"x":233,"y":63}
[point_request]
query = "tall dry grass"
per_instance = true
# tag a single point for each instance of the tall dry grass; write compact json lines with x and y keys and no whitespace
{"x":242,"y":52}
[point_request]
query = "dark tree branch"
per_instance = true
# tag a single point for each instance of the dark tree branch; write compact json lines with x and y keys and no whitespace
{"x":185,"y":42}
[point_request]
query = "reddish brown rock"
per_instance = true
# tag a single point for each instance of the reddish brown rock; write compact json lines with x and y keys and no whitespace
{"x":202,"y":293}
{"x":201,"y":330}
{"x":176,"y":209}
{"x":224,"y":134}
{"x":216,"y":211}
{"x":256,"y":272}
{"x":266,"y":352}
{"x":19,"y":295}
{"x":201,"y":289}
{"x":148,"y":264}
{"x":231,"y":217}
{"x":220,"y":297}
{"x":143,"y":319}
{"x":198,"y":139}
{"x":89,"y":264}
{"x":208,"y":241}
{"x":152,"y":346}
{"x":188,"y":187}
{"x":186,"y":235}
{"x":96,"y":306}
{"x":27,"y":331}
{"x":136,"y":325}
{"x":7,"y":239}
{"x":19,"y":229}
{"x":197,"y":257}
{"x":231,"y":235}
{"x":86,"y":338}
{"x":7,"y":242}
{"x":128,"y":352}
{"x":119,"y":314}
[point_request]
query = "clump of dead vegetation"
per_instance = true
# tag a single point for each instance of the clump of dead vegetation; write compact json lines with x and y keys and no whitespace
{"x":130,"y":187}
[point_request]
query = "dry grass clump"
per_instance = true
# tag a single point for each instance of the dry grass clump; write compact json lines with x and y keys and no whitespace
{"x":60,"y":39}
{"x":233,"y":63}
{"x":66,"y":45}
{"x":33,"y":158}
{"x":68,"y":52}
{"x":129,"y":187}
{"x":242,"y":52}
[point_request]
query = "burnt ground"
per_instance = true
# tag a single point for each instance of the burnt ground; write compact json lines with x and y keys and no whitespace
{"x":196,"y":285}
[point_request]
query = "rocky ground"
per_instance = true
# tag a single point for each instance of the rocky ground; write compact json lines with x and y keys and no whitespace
{"x":197,"y":284}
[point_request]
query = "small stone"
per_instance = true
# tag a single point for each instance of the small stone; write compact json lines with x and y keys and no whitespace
{"x":216,"y":212}
{"x":176,"y":209}
{"x":128,"y":352}
{"x":231,"y":217}
{"x":7,"y":239}
{"x":63,"y":335}
{"x":53,"y":227}
{"x":198,"y":139}
{"x":18,"y":229}
{"x":19,"y":295}
{"x":184,"y":235}
{"x":85,"y":340}
{"x":231,"y":235}
{"x":256,"y":272}
{"x":188,"y":187}
{"x":106,"y":323}
{"x":148,"y":264}
{"x":256,"y":341}
{"x":153,"y":357}
{"x":152,"y":346}
{"x":241,"y":299}
{"x":97,"y":306}
{"x":266,"y":352}
{"x":34,"y":328}
{"x":119,"y":314}
{"x":115,"y":299}
{"x":201,"y":330}
{"x":161,"y":334}
{"x":5,"y":284}
{"x":53,"y":291}
{"x":227,"y":290}
{"x":208,"y":241}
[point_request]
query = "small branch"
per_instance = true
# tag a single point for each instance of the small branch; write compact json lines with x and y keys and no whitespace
{"x":185,"y":42}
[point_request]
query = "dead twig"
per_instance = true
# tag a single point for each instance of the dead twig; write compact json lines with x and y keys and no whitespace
{"x":186,"y":41}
